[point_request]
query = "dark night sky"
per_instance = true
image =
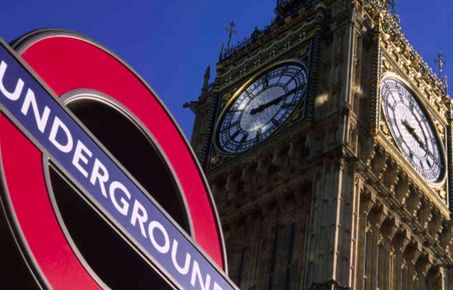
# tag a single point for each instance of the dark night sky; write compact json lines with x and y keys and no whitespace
{"x":170,"y":42}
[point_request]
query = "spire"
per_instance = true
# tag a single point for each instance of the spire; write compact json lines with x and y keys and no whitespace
{"x":206,"y":77}
{"x":440,"y":62}
{"x":227,"y":48}
{"x":231,"y":31}
{"x":205,"y":92}
{"x":222,"y":49}
{"x":392,"y":7}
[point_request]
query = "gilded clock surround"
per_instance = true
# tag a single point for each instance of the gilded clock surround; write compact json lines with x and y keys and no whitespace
{"x":303,"y":56}
{"x":438,"y":192}
{"x":296,"y":112}
{"x":440,"y":144}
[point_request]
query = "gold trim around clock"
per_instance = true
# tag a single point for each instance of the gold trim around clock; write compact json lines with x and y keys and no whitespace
{"x":418,"y":97}
{"x":238,"y":91}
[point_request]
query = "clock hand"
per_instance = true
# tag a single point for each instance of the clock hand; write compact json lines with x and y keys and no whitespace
{"x":264,"y":106}
{"x":408,"y":127}
{"x":411,"y":131}
{"x":275,"y":101}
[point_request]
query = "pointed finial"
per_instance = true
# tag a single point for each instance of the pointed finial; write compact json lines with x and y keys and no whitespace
{"x":392,"y":6}
{"x":206,"y":77}
{"x":231,"y":31}
{"x":440,"y":61}
{"x":222,"y":48}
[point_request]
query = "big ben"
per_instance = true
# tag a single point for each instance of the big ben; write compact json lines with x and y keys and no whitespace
{"x":327,"y":142}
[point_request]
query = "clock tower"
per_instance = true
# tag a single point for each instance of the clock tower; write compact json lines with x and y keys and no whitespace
{"x":327,"y":142}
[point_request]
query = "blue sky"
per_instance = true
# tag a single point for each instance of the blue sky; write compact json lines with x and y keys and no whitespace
{"x":170,"y":42}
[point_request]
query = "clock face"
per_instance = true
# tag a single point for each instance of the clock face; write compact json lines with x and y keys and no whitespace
{"x":261,"y":107}
{"x":412,"y":130}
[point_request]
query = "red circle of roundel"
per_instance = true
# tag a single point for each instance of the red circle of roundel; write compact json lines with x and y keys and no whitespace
{"x":66,"y":61}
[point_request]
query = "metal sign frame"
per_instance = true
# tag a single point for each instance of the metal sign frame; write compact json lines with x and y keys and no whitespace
{"x":43,"y":119}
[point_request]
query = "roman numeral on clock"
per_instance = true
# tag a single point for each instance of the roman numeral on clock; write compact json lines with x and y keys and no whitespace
{"x":275,"y":122}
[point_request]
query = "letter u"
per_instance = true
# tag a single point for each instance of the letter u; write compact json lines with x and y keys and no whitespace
{"x":14,"y":96}
{"x":182,"y":270}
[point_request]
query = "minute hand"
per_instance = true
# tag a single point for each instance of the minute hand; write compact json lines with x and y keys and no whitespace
{"x":411,"y":131}
{"x":275,"y":101}
{"x":262,"y":107}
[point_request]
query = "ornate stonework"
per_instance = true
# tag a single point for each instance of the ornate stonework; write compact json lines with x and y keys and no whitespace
{"x":329,"y":201}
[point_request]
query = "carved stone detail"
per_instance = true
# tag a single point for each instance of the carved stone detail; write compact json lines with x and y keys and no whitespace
{"x":378,"y":215}
{"x":435,"y":225}
{"x":402,"y":189}
{"x":390,"y":227}
{"x":368,"y":202}
{"x":425,"y":214}
{"x":446,"y":236}
{"x":423,"y":264}
{"x":413,"y":252}
{"x":414,"y":201}
{"x":401,"y":240}
{"x":391,"y":176}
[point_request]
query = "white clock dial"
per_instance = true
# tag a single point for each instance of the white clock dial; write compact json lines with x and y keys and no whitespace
{"x":261,"y":107}
{"x":412,"y":130}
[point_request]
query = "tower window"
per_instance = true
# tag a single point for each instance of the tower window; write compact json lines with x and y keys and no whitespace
{"x":275,"y":235}
{"x":290,"y":256}
{"x":365,"y":261}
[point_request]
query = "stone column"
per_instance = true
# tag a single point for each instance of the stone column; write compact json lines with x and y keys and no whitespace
{"x":449,"y":278}
{"x":400,"y":242}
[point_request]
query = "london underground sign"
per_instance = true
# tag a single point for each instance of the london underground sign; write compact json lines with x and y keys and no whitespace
{"x":36,"y":126}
